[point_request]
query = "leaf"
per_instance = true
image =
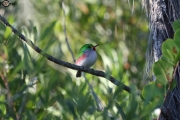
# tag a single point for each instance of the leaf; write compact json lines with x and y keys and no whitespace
{"x":170,"y":50}
{"x":133,"y":105}
{"x":153,"y":91}
{"x":49,"y":30}
{"x":173,"y":84}
{"x":2,"y":106}
{"x":35,"y":32}
{"x":177,"y":57}
{"x":177,"y":37}
{"x":163,"y":71}
{"x":120,"y":110}
{"x":176,"y":25}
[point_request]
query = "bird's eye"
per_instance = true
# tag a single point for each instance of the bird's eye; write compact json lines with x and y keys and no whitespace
{"x":89,"y":46}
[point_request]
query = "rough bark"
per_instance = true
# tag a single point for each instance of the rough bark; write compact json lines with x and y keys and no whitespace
{"x":162,"y":13}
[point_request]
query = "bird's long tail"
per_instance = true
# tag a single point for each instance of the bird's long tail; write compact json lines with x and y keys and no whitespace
{"x":78,"y":74}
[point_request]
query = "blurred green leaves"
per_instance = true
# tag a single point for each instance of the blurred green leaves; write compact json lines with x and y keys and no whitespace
{"x":2,"y":105}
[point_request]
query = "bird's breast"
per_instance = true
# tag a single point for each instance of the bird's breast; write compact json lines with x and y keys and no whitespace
{"x":91,"y":59}
{"x":88,"y":59}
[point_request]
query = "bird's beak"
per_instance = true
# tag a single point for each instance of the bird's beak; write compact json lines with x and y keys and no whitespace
{"x":96,"y":45}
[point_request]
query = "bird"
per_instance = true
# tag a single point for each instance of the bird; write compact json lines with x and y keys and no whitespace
{"x":87,"y":57}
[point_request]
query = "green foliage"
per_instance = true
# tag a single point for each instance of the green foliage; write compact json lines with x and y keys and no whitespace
{"x":164,"y":69}
{"x":43,"y":90}
{"x":176,"y":25}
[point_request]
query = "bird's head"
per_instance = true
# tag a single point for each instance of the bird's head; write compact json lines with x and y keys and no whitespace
{"x":88,"y":47}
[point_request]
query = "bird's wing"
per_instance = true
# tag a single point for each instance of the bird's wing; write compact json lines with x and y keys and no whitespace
{"x":80,"y":60}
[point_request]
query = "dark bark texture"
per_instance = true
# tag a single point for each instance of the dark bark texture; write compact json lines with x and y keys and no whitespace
{"x":162,"y":13}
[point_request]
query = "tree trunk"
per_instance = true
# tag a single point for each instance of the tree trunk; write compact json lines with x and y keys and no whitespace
{"x":162,"y":13}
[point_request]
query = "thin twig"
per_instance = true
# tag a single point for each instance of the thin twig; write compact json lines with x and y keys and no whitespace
{"x":23,"y":103}
{"x":63,"y":63}
{"x":65,"y":34}
{"x":24,"y":100}
{"x":100,"y":106}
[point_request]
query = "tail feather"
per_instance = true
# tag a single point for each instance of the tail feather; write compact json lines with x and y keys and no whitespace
{"x":78,"y":74}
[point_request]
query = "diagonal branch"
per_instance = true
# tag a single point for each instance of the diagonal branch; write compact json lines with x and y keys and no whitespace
{"x":63,"y":63}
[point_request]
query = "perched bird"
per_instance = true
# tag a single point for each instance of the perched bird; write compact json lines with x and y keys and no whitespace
{"x":86,"y":57}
